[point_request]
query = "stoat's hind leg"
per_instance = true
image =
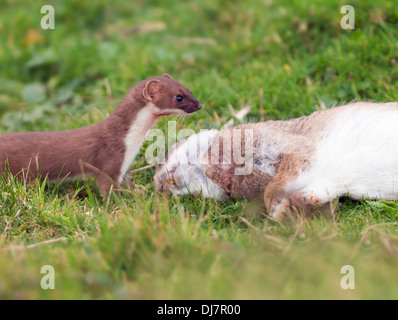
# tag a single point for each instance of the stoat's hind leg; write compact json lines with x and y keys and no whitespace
{"x":282,"y":203}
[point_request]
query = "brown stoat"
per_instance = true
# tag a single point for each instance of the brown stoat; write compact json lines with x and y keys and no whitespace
{"x":106,"y":149}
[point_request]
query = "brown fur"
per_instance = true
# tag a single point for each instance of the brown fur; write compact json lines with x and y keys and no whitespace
{"x":98,"y":149}
{"x":282,"y":151}
{"x":295,"y":141}
{"x":236,"y":186}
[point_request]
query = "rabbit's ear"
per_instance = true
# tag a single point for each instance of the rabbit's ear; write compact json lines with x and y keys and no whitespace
{"x":167,"y":76}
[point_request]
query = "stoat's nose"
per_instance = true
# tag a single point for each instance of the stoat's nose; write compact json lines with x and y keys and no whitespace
{"x":193,"y":108}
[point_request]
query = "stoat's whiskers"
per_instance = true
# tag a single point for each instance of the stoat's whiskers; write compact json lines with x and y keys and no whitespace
{"x":181,"y":118}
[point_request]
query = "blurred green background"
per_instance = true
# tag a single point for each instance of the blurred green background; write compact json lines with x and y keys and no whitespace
{"x":225,"y":52}
{"x":286,"y":58}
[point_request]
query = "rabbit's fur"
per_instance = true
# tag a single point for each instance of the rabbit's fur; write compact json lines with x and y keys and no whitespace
{"x":298,"y":165}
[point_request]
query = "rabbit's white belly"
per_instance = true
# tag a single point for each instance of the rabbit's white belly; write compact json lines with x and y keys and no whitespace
{"x":357,"y":155}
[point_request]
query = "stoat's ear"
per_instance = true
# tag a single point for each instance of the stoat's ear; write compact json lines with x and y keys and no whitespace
{"x":167,"y":76}
{"x":152,"y":88}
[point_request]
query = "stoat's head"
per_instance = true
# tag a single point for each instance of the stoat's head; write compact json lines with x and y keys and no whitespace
{"x":169,"y":96}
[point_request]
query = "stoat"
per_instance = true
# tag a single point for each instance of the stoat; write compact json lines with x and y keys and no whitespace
{"x":106,"y":149}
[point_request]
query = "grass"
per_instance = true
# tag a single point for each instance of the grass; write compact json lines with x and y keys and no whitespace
{"x":148,"y":245}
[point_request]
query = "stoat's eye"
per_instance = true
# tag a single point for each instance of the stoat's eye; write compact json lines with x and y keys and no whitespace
{"x":179,"y":98}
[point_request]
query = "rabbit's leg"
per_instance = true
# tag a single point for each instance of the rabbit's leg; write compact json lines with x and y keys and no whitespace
{"x":281,"y":200}
{"x":281,"y":205}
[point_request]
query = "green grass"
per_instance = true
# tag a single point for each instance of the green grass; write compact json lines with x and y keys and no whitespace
{"x":148,"y":245}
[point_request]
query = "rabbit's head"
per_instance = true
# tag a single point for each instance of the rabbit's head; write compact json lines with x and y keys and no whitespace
{"x":183,"y":171}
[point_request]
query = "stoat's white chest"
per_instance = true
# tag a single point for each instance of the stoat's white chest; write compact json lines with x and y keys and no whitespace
{"x":136,"y":135}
